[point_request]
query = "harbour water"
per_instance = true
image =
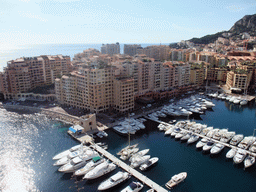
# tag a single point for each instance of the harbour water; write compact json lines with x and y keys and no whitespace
{"x":28,"y":143}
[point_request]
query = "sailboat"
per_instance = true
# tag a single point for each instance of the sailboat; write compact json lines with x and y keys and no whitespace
{"x":129,"y":150}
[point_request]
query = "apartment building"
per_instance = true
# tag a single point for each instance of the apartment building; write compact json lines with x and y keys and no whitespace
{"x":239,"y":79}
{"x":24,"y":74}
{"x":218,"y":75}
{"x":157,"y":52}
{"x":197,"y":74}
{"x":95,"y":88}
{"x":110,"y":49}
{"x":178,"y":55}
{"x":131,"y":49}
{"x":123,"y":97}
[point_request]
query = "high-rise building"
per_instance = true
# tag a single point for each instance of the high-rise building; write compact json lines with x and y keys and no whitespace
{"x":110,"y":49}
{"x":24,"y":74}
{"x":131,"y":49}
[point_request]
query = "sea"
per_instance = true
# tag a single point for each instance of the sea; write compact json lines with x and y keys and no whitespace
{"x":12,"y":53}
{"x":30,"y":140}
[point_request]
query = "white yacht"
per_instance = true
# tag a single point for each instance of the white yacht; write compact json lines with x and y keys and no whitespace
{"x":64,"y":160}
{"x":175,"y":132}
{"x":217,"y":148}
{"x":66,"y":152}
{"x":137,"y":161}
{"x":226,"y":137}
{"x":169,"y":130}
{"x":244,"y":102}
{"x":208,"y":146}
{"x":220,"y":134}
{"x":78,"y":162}
{"x":100,"y":170}
{"x":149,"y":163}
{"x":239,"y":156}
{"x":186,"y":137}
{"x":133,"y":187}
{"x":114,"y":180}
{"x":253,"y":147}
{"x":246,"y":142}
{"x":236,"y":139}
{"x":201,"y":143}
{"x":89,"y":166}
{"x":176,"y":179}
{"x":181,"y":134}
{"x":127,"y":148}
{"x":140,"y":153}
{"x":231,"y":153}
{"x":192,"y":139}
{"x":128,"y":153}
{"x":206,"y":130}
{"x":249,"y":161}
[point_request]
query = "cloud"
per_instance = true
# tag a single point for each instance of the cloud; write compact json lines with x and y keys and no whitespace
{"x":240,"y":7}
{"x":32,"y":16}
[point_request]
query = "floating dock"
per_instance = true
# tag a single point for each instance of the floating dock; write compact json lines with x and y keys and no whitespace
{"x":118,"y":162}
{"x":202,"y":136}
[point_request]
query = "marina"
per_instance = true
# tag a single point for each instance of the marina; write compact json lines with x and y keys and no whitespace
{"x":203,"y":170}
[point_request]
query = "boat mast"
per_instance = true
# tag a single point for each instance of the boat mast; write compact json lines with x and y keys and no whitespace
{"x":129,"y":129}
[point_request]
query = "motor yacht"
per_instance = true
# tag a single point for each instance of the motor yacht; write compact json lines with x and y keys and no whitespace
{"x":244,"y":102}
{"x":192,"y":139}
{"x":201,"y":143}
{"x":175,"y":132}
{"x":140,"y":153}
{"x":249,"y":161}
{"x":89,"y":166}
{"x":186,"y":137}
{"x":100,"y":170}
{"x":137,"y":161}
{"x":217,"y":148}
{"x":226,"y":137}
{"x":124,"y":150}
{"x":181,"y":134}
{"x":64,"y":160}
{"x":133,"y":187}
{"x":149,"y":163}
{"x":231,"y":153}
{"x":212,"y":132}
{"x":246,"y":142}
{"x":114,"y":180}
{"x":176,"y":179}
{"x":78,"y":162}
{"x":220,"y":134}
{"x":253,"y":147}
{"x":206,"y":130}
{"x":66,"y":152}
{"x":208,"y":146}
{"x":128,"y":153}
{"x":169,"y":130}
{"x":239,"y":156}
{"x":236,"y":139}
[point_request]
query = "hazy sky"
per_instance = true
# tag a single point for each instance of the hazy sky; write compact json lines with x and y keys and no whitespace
{"x":108,"y":21}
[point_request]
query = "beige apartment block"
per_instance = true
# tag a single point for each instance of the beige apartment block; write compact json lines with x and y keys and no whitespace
{"x":158,"y":52}
{"x":197,"y":74}
{"x":239,"y":79}
{"x":23,"y":74}
{"x":123,"y":97}
{"x":90,"y":88}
